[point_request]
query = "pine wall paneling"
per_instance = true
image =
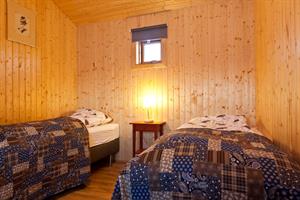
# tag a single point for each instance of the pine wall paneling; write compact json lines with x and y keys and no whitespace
{"x":210,"y":66}
{"x":278,"y":72}
{"x":38,"y":82}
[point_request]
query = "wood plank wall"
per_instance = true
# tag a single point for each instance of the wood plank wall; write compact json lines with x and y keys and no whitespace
{"x":278,"y":72}
{"x":41,"y":82}
{"x":210,"y":66}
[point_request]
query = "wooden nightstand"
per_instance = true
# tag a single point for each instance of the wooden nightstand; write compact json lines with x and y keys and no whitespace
{"x":141,"y":127}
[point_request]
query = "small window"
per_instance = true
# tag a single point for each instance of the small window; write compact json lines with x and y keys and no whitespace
{"x":149,"y":45}
{"x":148,"y":52}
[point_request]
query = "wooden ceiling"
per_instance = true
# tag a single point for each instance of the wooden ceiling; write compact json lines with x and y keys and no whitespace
{"x":87,"y":11}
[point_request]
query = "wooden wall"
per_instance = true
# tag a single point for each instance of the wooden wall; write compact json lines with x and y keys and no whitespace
{"x":278,"y":72}
{"x":40,"y":82}
{"x":210,"y":66}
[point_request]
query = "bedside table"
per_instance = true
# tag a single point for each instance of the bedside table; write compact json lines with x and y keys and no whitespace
{"x":141,"y":127}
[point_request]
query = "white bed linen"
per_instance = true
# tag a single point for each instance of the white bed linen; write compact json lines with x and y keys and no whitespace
{"x":103,"y":134}
{"x":221,"y":122}
{"x":91,"y":118}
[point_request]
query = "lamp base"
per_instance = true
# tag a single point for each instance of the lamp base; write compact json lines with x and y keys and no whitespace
{"x":148,"y":121}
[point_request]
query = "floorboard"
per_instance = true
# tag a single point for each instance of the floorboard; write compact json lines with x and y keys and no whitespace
{"x":100,"y":186}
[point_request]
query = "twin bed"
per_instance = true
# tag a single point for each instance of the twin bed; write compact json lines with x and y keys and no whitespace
{"x":216,"y":157}
{"x":43,"y":158}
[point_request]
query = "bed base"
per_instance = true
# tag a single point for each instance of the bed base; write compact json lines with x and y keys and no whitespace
{"x":103,"y":150}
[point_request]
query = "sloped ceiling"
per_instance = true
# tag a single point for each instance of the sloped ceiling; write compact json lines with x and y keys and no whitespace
{"x":88,"y":11}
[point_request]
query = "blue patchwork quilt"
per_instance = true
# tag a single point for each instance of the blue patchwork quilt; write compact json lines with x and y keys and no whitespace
{"x":209,"y":164}
{"x":40,"y":159}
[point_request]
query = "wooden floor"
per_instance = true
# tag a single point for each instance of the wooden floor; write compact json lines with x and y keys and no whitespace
{"x":100,"y":186}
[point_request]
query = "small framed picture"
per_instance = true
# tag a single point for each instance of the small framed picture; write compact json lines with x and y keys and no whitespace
{"x":21,"y":24}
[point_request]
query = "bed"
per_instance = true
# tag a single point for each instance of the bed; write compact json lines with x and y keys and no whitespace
{"x":40,"y":159}
{"x":104,"y":141}
{"x":216,"y":157}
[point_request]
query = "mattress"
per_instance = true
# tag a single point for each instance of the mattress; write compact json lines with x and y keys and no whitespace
{"x":103,"y":134}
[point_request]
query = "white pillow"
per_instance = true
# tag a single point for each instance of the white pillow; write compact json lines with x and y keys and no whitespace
{"x":219,"y":119}
{"x":91,"y":117}
{"x":219,"y":122}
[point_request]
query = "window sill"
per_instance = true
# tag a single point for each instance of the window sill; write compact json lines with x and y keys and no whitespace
{"x":149,"y":66}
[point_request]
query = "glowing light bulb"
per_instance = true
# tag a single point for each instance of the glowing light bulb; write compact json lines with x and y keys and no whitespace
{"x":149,"y":102}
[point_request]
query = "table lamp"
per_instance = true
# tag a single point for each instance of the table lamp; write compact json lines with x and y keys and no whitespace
{"x":149,"y":102}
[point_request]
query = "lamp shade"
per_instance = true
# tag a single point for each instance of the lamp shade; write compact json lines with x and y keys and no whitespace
{"x":149,"y":102}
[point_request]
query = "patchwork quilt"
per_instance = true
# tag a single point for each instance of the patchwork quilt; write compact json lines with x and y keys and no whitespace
{"x":195,"y":163}
{"x":40,"y":159}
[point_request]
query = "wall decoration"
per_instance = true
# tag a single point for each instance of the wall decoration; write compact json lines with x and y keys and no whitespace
{"x":20,"y":24}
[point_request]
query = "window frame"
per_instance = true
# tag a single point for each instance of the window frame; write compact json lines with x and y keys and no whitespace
{"x":142,"y":51}
{"x":136,"y":59}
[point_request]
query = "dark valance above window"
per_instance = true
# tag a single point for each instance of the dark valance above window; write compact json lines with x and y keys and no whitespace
{"x":149,"y":33}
